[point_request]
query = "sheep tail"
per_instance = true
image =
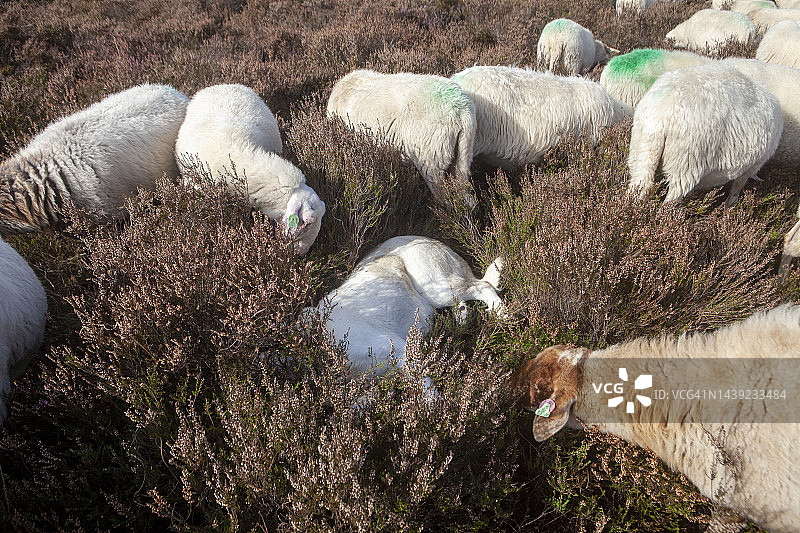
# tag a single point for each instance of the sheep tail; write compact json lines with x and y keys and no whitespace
{"x":465,"y":142}
{"x":644,"y":159}
{"x":492,"y":276}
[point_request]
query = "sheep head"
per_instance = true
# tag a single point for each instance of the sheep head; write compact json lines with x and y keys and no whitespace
{"x":303,"y":217}
{"x":555,"y":374}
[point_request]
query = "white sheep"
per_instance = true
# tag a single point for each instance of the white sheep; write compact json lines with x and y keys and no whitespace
{"x":709,"y":29}
{"x":633,"y":6}
{"x":764,"y":19}
{"x":523,"y":113}
{"x":788,"y":4}
{"x":229,"y":126}
{"x":23,"y":310}
{"x":783,"y":83}
{"x":428,"y":118}
{"x":704,"y":126}
{"x":726,"y":448}
{"x":629,"y":76}
{"x":781,"y":44}
{"x":567,"y":45}
{"x":406,"y":276}
{"x":92,"y":159}
{"x":742,"y":6}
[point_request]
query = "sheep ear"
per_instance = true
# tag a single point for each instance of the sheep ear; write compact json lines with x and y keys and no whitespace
{"x":546,"y":427}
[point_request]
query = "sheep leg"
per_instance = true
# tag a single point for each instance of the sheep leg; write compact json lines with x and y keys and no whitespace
{"x":791,"y":249}
{"x":484,"y":292}
{"x":736,"y":188}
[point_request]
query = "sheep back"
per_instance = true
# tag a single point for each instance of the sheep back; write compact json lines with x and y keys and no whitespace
{"x":781,"y":44}
{"x":93,"y":158}
{"x":428,"y":118}
{"x":742,"y":6}
{"x":23,"y":310}
{"x":629,"y":76}
{"x":783,"y":83}
{"x":634,"y":6}
{"x":764,"y":19}
{"x":567,"y":45}
{"x":706,"y":125}
{"x":522,"y":113}
{"x":708,"y":29}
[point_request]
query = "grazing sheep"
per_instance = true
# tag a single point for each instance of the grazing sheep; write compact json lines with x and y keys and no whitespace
{"x":523,"y":113}
{"x":704,"y":125}
{"x":629,"y":76}
{"x":742,"y":6}
{"x":568,"y":45}
{"x":760,"y":476}
{"x":764,"y":19}
{"x":92,"y":159}
{"x":633,"y":6}
{"x":404,"y":277}
{"x":709,"y":29}
{"x":783,"y":82}
{"x":428,"y":118}
{"x":788,"y":4}
{"x":23,"y":309}
{"x":230,"y":125}
{"x":781,"y":44}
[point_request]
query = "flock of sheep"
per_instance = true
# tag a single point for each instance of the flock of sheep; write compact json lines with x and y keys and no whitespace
{"x":704,"y":122}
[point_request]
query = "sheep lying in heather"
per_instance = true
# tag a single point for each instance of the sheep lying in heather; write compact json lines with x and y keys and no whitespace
{"x":742,"y":6}
{"x":92,"y":159}
{"x":761,"y":478}
{"x":708,"y":29}
{"x":567,"y":45}
{"x":781,"y":44}
{"x":428,"y":118}
{"x":406,"y":276}
{"x":764,"y":19}
{"x":629,"y":76}
{"x":704,"y":126}
{"x":23,"y":309}
{"x":230,"y":125}
{"x":523,"y":113}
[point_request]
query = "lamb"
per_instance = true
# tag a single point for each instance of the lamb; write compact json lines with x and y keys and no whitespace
{"x":229,"y":125}
{"x":764,"y":19}
{"x":629,"y":76}
{"x":761,"y":476}
{"x":781,"y":44}
{"x":522,"y":113}
{"x":23,"y":310}
{"x":705,"y":125}
{"x":406,"y":276}
{"x":428,"y":118}
{"x":568,"y":45}
{"x":92,"y":159}
{"x":709,"y":29}
{"x":634,"y":6}
{"x":742,"y":6}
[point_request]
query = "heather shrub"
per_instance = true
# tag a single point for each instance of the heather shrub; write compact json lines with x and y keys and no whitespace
{"x":220,"y":408}
{"x":372,"y":192}
{"x":591,"y":261}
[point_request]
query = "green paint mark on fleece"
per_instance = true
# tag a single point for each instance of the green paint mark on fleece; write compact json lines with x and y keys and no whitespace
{"x":558,"y":24}
{"x":641,"y":66}
{"x":451,"y":94}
